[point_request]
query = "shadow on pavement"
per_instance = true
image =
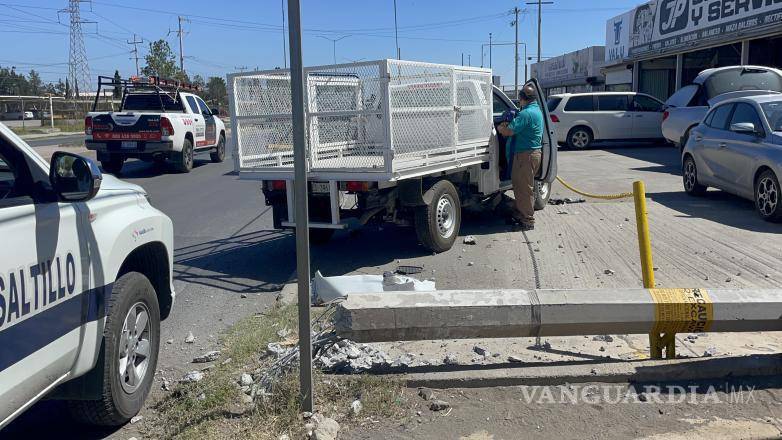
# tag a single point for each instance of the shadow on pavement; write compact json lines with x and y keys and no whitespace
{"x":135,"y":169}
{"x":719,"y":207}
{"x":50,"y":419}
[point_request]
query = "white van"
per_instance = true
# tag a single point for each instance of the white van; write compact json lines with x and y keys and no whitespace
{"x":583,"y":118}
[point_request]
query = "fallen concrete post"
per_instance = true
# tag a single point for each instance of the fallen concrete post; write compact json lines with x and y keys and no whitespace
{"x":463,"y":314}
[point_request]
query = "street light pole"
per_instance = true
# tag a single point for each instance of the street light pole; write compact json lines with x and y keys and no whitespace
{"x":334,"y":44}
{"x":306,"y":386}
{"x":396,"y":35}
{"x":490,"y":50}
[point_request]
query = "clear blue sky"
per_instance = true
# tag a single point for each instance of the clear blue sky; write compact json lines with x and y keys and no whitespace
{"x":224,"y":34}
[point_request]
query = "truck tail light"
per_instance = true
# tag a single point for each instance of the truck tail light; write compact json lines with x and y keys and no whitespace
{"x":353,"y":186}
{"x":277,"y":185}
{"x":88,"y":125}
{"x":666,"y":114}
{"x":554,"y":118}
{"x":166,"y":128}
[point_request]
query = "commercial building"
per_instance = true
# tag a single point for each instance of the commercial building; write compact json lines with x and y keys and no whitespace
{"x":572,"y":72}
{"x":662,"y":45}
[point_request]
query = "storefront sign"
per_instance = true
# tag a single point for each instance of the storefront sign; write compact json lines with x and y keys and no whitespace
{"x":572,"y":66}
{"x":664,"y":26}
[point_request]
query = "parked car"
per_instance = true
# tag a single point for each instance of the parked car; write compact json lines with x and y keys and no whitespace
{"x":583,"y":118}
{"x":738,"y":148}
{"x":18,"y":116}
{"x":687,"y":107}
{"x":85,"y":279}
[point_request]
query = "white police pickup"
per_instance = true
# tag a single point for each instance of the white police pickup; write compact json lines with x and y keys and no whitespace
{"x":85,"y":278}
{"x":157,"y":120}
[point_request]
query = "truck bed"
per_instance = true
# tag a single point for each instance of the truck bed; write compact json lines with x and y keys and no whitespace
{"x":378,"y":120}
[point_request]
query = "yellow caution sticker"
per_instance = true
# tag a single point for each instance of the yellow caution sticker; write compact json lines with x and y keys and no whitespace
{"x":682,"y":310}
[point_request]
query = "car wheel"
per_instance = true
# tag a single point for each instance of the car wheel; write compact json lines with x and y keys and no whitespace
{"x":690,"y":178}
{"x":113,"y":165}
{"x":437,"y":224}
{"x":542,"y":194}
{"x":131,"y":338}
{"x":218,"y":155}
{"x":767,"y":193}
{"x":185,"y":159}
{"x":580,"y":138}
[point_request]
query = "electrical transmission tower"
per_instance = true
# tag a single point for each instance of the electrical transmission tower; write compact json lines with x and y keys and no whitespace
{"x":78,"y":66}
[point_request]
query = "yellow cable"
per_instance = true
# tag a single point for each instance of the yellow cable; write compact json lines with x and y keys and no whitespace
{"x":595,"y":196}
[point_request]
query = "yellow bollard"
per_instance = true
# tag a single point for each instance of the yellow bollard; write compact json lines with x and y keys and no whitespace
{"x":657,"y":342}
{"x":642,"y":223}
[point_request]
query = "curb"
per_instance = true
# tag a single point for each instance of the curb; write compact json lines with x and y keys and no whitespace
{"x":614,"y":372}
{"x":49,"y":135}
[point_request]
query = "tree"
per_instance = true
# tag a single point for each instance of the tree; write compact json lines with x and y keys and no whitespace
{"x":198,"y":81}
{"x":161,"y":61}
{"x":59,"y":88}
{"x":117,"y":88}
{"x":216,"y":92}
{"x":34,"y":83}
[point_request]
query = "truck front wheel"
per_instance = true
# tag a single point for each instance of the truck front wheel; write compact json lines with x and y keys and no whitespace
{"x":542,"y":194}
{"x":218,"y":155}
{"x":437,"y":223}
{"x":128,"y":360}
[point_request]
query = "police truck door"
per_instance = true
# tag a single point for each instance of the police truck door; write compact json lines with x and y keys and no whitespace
{"x":209,"y":122}
{"x":43,"y":280}
{"x":199,"y":125}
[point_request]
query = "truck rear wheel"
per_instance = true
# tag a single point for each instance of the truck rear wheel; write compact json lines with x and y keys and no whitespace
{"x":542,"y":194}
{"x":437,"y":224}
{"x":113,"y":165}
{"x":128,"y":360}
{"x":184,"y":161}
{"x":218,"y":155}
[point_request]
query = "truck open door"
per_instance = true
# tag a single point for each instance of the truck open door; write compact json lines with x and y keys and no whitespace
{"x":548,"y":162}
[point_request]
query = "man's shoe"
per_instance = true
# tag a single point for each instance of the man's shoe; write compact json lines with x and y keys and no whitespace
{"x":512,"y":221}
{"x":526,"y":227}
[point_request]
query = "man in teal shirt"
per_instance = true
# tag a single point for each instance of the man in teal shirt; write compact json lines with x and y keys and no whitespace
{"x":523,"y":148}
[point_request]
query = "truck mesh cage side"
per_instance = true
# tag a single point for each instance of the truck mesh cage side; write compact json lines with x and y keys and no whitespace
{"x":383,"y":116}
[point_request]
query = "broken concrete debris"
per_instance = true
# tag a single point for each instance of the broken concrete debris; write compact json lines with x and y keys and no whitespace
{"x":711,"y":351}
{"x":191,"y":377}
{"x":355,"y":407}
{"x":439,"y":405}
{"x":425,"y":393}
{"x":469,"y":240}
{"x":481,"y":351}
{"x":325,"y":428}
{"x":209,"y":356}
{"x":327,"y":289}
{"x":603,"y":338}
{"x":246,"y":380}
{"x":189,"y":339}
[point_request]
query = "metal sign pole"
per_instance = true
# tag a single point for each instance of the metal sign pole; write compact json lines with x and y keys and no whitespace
{"x":300,"y":200}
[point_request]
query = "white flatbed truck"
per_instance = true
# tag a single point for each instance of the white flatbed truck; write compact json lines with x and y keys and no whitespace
{"x":387,"y":141}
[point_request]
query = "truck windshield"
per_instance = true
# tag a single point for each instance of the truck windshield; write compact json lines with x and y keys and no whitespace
{"x":742,"y":79}
{"x":773,"y":111}
{"x":151,"y":102}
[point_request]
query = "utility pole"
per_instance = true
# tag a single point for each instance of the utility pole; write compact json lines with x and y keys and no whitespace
{"x":301,"y":209}
{"x":516,"y":54}
{"x":540,"y":4}
{"x":462,"y":58}
{"x":135,"y":44}
{"x":489,"y":50}
{"x":180,"y":33}
{"x":469,"y":60}
{"x":396,"y":35}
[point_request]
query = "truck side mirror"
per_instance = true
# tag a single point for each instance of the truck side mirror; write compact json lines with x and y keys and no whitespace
{"x":215,"y":111}
{"x":74,"y":178}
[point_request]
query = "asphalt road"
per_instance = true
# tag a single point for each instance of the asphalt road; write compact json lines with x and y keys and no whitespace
{"x":75,"y":139}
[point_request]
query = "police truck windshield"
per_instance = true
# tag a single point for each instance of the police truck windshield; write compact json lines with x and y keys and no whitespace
{"x":151,"y":102}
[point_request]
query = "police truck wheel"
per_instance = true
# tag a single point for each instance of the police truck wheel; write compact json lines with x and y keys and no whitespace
{"x":579,"y":138}
{"x":113,"y":165}
{"x":131,"y":339}
{"x":218,"y":155}
{"x":185,"y":159}
{"x":542,"y":194}
{"x":437,"y":224}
